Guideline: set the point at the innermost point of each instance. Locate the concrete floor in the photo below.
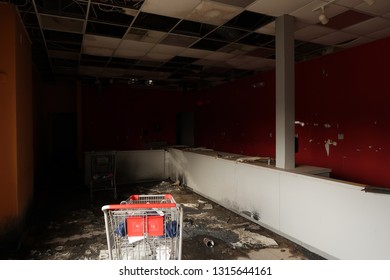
(66, 225)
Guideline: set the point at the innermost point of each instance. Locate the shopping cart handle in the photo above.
(138, 206)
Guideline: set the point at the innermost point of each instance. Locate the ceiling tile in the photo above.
(166, 49)
(143, 35)
(179, 40)
(356, 42)
(369, 26)
(237, 49)
(172, 8)
(227, 34)
(267, 29)
(260, 64)
(262, 52)
(127, 53)
(100, 41)
(195, 53)
(241, 3)
(158, 56)
(133, 49)
(211, 45)
(346, 19)
(98, 51)
(205, 62)
(241, 61)
(220, 56)
(349, 3)
(379, 8)
(61, 24)
(213, 13)
(302, 48)
(380, 34)
(152, 64)
(249, 20)
(335, 38)
(277, 7)
(155, 22)
(311, 32)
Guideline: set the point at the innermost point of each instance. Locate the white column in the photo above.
(285, 93)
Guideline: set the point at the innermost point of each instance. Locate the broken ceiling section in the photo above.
(180, 43)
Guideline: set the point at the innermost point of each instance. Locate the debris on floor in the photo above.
(77, 230)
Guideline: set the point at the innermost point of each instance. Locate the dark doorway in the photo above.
(185, 129)
(62, 148)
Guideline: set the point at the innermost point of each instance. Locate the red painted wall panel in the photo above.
(126, 118)
(343, 98)
(345, 94)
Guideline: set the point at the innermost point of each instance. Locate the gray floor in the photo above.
(66, 225)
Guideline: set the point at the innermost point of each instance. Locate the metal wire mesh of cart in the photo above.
(103, 171)
(144, 227)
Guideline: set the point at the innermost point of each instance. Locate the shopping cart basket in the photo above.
(144, 227)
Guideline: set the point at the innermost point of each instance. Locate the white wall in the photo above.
(134, 166)
(334, 219)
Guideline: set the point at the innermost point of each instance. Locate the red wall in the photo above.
(347, 93)
(238, 117)
(125, 118)
(343, 93)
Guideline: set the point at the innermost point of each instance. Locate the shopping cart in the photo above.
(144, 227)
(103, 172)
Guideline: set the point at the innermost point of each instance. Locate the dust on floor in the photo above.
(71, 227)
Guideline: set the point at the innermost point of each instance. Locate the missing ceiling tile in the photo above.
(155, 22)
(347, 19)
(249, 20)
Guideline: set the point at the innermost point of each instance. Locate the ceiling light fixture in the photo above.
(132, 81)
(149, 82)
(322, 17)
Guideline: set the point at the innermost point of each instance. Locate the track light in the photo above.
(132, 81)
(322, 17)
(149, 82)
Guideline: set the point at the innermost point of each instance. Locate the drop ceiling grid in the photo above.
(152, 34)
